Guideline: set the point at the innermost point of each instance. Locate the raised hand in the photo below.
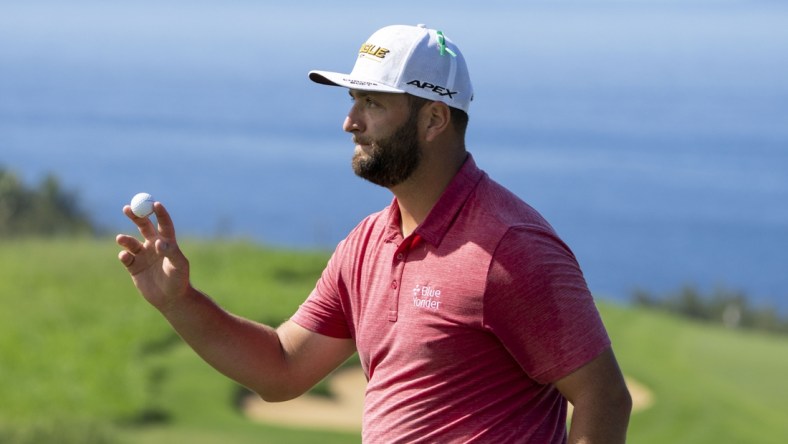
(157, 266)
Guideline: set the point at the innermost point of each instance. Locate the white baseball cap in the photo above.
(408, 59)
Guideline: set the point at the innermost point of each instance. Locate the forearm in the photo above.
(247, 352)
(277, 364)
(601, 420)
(601, 401)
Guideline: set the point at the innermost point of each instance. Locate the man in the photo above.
(471, 317)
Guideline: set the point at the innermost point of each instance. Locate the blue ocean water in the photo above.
(653, 135)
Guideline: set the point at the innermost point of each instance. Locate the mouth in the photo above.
(361, 141)
(363, 145)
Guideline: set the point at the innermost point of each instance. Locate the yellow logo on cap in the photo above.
(373, 50)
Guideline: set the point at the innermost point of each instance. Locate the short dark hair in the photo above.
(458, 117)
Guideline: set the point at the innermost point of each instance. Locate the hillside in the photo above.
(85, 359)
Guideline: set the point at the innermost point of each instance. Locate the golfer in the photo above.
(471, 317)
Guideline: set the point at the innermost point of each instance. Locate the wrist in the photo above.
(179, 303)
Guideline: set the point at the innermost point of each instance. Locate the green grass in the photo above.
(711, 385)
(84, 359)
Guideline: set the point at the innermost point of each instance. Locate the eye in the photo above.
(365, 100)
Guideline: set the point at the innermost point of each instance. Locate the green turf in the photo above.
(710, 385)
(84, 359)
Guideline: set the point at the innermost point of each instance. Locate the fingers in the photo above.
(144, 224)
(171, 251)
(126, 258)
(131, 246)
(160, 239)
(166, 226)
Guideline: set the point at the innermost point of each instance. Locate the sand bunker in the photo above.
(343, 410)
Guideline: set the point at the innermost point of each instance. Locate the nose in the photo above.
(353, 122)
(348, 125)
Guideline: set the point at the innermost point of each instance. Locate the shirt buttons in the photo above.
(394, 285)
(400, 256)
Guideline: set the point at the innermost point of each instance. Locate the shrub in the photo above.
(728, 307)
(47, 210)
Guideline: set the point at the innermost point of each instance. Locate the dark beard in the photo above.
(391, 160)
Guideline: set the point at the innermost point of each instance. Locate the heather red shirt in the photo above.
(462, 326)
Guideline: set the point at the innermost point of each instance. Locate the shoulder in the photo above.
(492, 216)
(507, 207)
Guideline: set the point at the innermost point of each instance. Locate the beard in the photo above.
(392, 160)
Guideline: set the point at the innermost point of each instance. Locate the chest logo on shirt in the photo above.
(426, 297)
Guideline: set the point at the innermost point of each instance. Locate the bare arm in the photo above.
(601, 401)
(278, 364)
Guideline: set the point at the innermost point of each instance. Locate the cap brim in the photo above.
(348, 81)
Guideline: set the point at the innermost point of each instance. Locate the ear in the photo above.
(438, 119)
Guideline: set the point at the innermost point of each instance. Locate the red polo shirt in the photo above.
(462, 326)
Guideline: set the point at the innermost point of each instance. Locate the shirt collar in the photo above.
(438, 221)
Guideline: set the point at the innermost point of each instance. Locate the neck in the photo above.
(418, 195)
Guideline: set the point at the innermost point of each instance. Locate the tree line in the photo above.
(730, 308)
(43, 210)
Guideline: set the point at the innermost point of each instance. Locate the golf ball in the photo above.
(142, 204)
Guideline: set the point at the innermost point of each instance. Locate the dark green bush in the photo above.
(47, 210)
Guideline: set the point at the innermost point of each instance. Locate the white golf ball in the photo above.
(142, 204)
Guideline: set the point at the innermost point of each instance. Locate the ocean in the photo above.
(653, 135)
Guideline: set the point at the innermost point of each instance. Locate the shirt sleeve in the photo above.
(322, 312)
(538, 304)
